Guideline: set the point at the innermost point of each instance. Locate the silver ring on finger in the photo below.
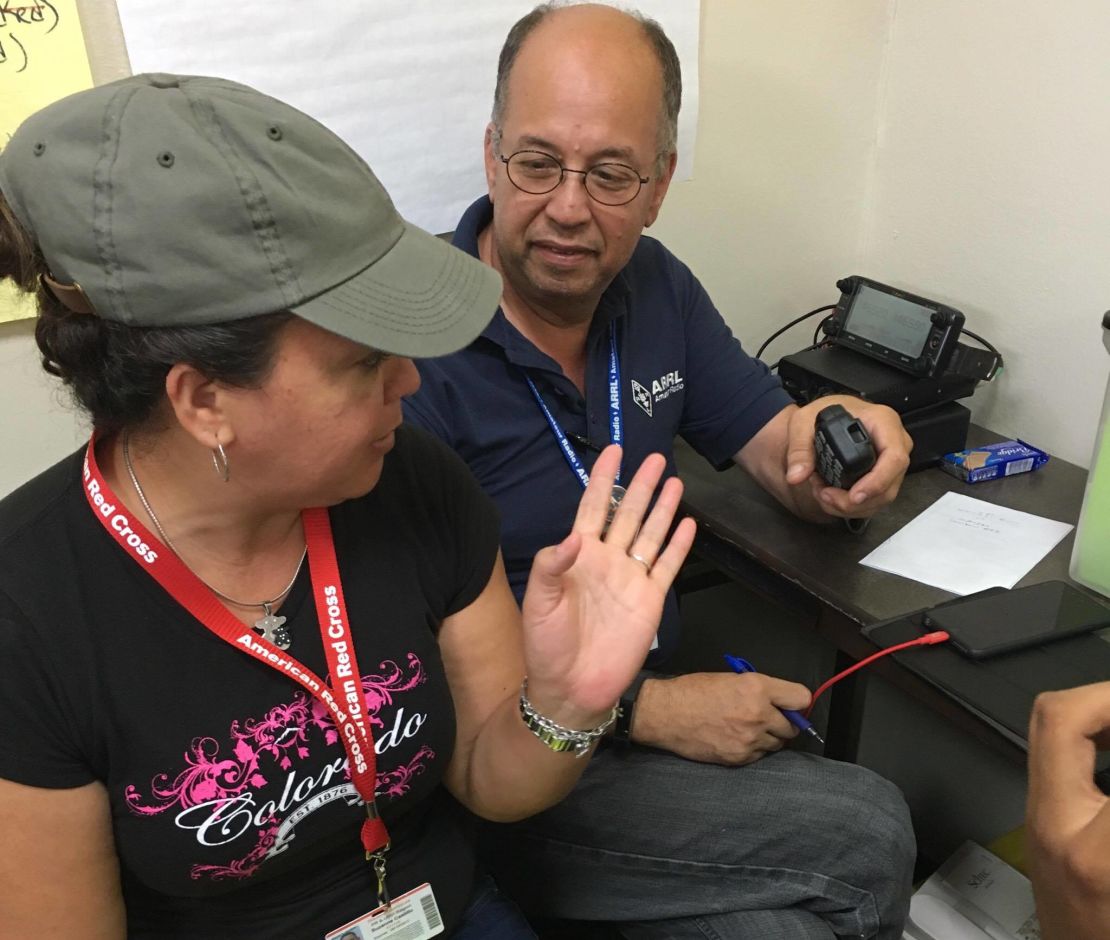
(642, 561)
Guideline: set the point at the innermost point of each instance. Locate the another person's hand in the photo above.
(717, 717)
(592, 609)
(872, 491)
(1068, 817)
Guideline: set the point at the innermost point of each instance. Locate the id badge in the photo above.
(412, 916)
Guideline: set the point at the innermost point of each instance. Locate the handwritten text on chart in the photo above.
(42, 59)
(41, 17)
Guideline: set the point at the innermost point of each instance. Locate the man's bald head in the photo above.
(605, 21)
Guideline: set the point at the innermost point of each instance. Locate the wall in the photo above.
(773, 216)
(948, 147)
(955, 149)
(38, 427)
(990, 192)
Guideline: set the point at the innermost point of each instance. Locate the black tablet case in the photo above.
(1000, 689)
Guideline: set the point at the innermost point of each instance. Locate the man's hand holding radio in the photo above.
(875, 489)
(782, 458)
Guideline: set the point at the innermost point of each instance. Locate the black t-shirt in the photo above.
(232, 808)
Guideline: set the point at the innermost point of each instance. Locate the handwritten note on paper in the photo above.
(42, 59)
(965, 545)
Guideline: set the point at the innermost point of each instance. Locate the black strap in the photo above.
(626, 707)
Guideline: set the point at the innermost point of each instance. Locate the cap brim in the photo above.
(422, 298)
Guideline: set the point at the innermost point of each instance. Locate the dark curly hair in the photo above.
(115, 372)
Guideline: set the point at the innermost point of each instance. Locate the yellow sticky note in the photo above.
(42, 59)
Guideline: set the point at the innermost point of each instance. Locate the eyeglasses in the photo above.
(536, 172)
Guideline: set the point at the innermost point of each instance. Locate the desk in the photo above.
(815, 570)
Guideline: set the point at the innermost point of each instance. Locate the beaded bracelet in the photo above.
(555, 736)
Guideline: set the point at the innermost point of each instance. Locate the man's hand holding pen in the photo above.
(718, 717)
(796, 718)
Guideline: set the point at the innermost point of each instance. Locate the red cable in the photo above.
(929, 639)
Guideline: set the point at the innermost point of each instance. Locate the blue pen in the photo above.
(797, 719)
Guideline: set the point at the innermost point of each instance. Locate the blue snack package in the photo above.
(990, 461)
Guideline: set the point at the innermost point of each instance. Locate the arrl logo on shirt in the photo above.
(661, 389)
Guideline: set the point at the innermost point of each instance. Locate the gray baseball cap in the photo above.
(171, 200)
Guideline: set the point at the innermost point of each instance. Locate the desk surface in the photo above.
(823, 561)
(815, 569)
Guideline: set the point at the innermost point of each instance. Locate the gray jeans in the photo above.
(791, 847)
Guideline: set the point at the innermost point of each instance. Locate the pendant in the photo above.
(615, 498)
(272, 628)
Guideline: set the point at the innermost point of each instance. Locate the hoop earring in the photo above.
(220, 462)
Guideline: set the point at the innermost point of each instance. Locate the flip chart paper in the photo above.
(42, 59)
(407, 83)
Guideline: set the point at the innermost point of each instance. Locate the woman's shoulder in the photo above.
(421, 460)
(423, 483)
(415, 442)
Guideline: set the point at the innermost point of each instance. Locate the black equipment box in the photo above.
(829, 370)
(937, 423)
(936, 431)
(1000, 691)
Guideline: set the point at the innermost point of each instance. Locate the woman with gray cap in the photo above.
(256, 638)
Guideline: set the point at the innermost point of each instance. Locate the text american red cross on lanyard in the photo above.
(348, 710)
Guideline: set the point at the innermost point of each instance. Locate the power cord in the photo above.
(815, 343)
(794, 322)
(817, 332)
(929, 639)
(975, 336)
(977, 367)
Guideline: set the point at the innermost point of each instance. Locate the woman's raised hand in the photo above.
(593, 602)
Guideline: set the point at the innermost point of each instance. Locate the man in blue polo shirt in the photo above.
(603, 335)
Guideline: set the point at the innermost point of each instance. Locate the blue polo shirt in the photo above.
(682, 372)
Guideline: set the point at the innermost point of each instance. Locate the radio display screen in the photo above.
(889, 321)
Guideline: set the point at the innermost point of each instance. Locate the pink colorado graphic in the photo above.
(216, 794)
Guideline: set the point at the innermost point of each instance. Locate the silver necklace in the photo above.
(270, 625)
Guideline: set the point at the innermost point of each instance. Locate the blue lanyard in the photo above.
(616, 427)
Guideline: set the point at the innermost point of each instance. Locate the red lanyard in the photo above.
(343, 699)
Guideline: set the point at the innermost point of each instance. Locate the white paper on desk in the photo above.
(964, 545)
